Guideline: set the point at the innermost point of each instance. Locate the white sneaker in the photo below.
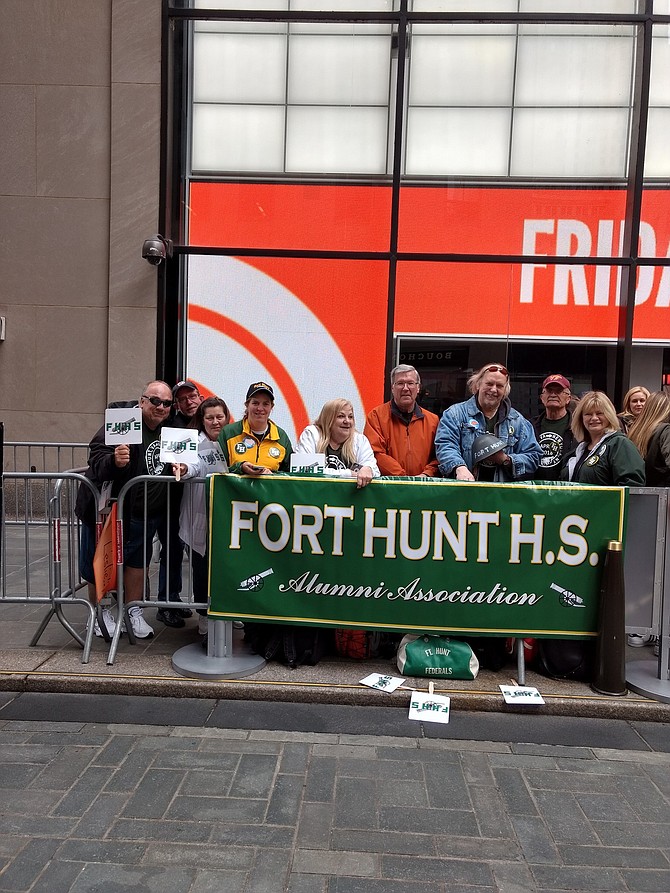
(110, 622)
(141, 628)
(202, 625)
(636, 641)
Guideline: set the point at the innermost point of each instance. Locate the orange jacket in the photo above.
(402, 449)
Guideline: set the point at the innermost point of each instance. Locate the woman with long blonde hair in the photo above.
(633, 404)
(651, 435)
(346, 449)
(604, 456)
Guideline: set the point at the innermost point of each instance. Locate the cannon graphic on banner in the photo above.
(568, 599)
(256, 581)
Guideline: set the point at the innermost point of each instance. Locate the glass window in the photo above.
(458, 141)
(562, 70)
(237, 138)
(569, 143)
(461, 70)
(336, 70)
(336, 139)
(241, 68)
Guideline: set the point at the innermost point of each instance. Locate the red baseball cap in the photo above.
(556, 379)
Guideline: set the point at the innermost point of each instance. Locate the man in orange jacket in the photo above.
(402, 434)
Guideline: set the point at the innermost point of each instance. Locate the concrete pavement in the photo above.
(196, 796)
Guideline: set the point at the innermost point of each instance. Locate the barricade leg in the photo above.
(219, 662)
(520, 662)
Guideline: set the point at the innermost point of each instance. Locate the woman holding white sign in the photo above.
(334, 434)
(210, 419)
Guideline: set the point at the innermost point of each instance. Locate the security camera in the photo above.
(156, 249)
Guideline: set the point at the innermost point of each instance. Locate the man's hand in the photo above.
(499, 458)
(121, 455)
(463, 473)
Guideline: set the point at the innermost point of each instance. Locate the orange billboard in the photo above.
(317, 326)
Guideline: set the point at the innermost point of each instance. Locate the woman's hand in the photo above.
(179, 469)
(363, 476)
(254, 470)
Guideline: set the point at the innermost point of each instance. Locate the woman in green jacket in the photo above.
(604, 456)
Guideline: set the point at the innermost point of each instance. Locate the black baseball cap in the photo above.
(259, 387)
(183, 384)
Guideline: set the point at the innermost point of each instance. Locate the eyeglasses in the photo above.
(190, 397)
(497, 368)
(156, 401)
(405, 384)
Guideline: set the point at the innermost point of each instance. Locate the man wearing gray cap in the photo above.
(552, 427)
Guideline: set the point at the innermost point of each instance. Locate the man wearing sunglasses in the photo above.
(118, 464)
(487, 411)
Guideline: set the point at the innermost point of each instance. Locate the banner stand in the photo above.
(218, 662)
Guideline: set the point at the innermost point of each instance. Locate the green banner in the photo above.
(415, 556)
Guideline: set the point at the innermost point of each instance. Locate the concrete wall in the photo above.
(79, 179)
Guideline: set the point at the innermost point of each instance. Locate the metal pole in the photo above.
(610, 675)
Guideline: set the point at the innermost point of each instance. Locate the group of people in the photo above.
(483, 438)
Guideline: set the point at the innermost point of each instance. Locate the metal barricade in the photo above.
(647, 575)
(36, 458)
(40, 560)
(176, 561)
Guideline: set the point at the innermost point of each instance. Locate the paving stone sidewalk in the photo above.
(106, 807)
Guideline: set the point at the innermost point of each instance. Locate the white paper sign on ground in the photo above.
(521, 694)
(123, 426)
(381, 682)
(308, 463)
(179, 445)
(428, 707)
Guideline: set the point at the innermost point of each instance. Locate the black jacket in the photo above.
(102, 468)
(657, 463)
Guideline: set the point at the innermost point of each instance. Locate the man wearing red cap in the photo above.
(552, 427)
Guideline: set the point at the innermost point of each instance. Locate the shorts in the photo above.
(138, 544)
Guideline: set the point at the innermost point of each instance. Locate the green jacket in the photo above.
(241, 445)
(615, 462)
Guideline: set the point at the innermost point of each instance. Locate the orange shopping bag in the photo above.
(105, 557)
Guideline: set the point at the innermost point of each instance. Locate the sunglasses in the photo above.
(156, 401)
(497, 368)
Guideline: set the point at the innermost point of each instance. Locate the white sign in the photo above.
(123, 426)
(381, 682)
(308, 463)
(428, 707)
(521, 694)
(179, 445)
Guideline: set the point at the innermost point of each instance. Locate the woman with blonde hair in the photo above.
(633, 404)
(604, 456)
(651, 435)
(334, 434)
